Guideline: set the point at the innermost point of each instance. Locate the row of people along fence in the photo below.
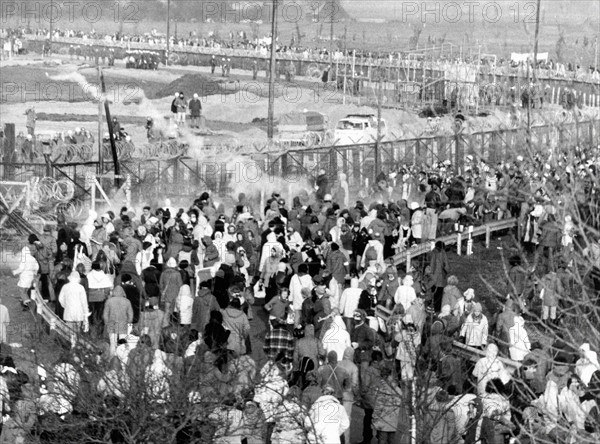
(404, 82)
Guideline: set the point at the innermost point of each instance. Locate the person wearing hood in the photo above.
(170, 283)
(362, 337)
(307, 351)
(475, 328)
(438, 261)
(387, 406)
(519, 345)
(409, 339)
(327, 419)
(236, 321)
(351, 390)
(331, 374)
(504, 322)
(464, 305)
(451, 293)
(440, 419)
(336, 338)
(488, 368)
(479, 429)
(341, 193)
(73, 299)
(336, 263)
(373, 252)
(301, 286)
(389, 287)
(88, 228)
(587, 364)
(405, 294)
(27, 272)
(100, 286)
(184, 305)
(267, 250)
(349, 302)
(97, 237)
(204, 303)
(117, 316)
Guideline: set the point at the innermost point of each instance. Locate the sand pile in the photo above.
(190, 84)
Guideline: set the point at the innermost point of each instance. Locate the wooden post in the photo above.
(93, 193)
(488, 235)
(470, 242)
(458, 244)
(553, 92)
(408, 261)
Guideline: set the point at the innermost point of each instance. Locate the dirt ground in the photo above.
(69, 87)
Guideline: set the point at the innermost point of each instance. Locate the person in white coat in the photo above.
(327, 419)
(519, 340)
(73, 299)
(405, 294)
(336, 338)
(587, 364)
(27, 272)
(475, 328)
(301, 285)
(349, 302)
(183, 305)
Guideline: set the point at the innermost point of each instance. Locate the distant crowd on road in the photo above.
(240, 41)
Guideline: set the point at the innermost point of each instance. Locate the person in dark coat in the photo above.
(151, 278)
(438, 262)
(204, 304)
(215, 335)
(133, 295)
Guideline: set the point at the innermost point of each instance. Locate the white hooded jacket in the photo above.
(336, 338)
(349, 299)
(326, 421)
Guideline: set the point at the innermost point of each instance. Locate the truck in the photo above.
(303, 129)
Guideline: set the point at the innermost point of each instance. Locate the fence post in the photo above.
(488, 235)
(408, 261)
(459, 244)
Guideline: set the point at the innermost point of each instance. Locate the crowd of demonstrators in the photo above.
(172, 289)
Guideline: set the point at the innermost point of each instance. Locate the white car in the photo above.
(358, 128)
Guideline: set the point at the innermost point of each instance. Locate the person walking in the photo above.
(195, 107)
(73, 299)
(181, 105)
(117, 316)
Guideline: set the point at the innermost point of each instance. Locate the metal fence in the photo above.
(358, 162)
(186, 177)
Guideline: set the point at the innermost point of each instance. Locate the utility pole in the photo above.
(100, 138)
(113, 144)
(272, 73)
(536, 42)
(168, 32)
(379, 99)
(331, 38)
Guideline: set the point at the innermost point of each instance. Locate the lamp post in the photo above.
(272, 73)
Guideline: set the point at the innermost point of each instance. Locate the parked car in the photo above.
(358, 128)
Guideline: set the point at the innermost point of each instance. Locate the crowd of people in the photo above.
(340, 327)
